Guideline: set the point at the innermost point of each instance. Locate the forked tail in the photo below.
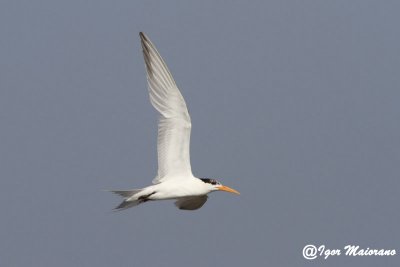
(129, 198)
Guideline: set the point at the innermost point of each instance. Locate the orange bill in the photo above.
(228, 189)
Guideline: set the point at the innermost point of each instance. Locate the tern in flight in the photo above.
(174, 179)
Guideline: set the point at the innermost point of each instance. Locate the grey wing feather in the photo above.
(191, 203)
(174, 121)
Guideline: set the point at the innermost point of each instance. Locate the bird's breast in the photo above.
(178, 189)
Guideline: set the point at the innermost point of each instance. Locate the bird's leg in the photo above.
(145, 197)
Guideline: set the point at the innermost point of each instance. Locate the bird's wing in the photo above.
(174, 121)
(191, 203)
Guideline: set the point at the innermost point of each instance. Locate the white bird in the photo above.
(174, 179)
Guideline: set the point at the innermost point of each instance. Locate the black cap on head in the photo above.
(210, 181)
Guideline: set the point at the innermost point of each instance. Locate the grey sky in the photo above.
(293, 103)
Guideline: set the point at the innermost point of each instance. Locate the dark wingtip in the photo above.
(142, 35)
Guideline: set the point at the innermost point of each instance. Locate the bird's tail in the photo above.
(129, 199)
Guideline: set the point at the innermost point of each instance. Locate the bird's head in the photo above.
(214, 185)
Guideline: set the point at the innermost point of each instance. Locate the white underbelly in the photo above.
(175, 189)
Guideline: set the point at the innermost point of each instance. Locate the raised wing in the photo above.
(174, 121)
(191, 203)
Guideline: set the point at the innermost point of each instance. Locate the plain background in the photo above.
(293, 103)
